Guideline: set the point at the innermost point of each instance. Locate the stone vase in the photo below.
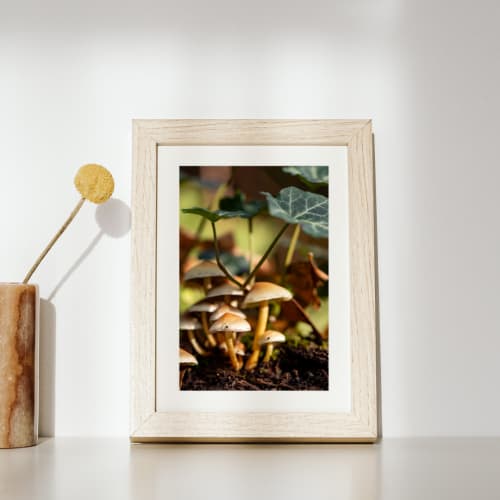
(19, 307)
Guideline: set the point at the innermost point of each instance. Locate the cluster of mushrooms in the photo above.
(217, 321)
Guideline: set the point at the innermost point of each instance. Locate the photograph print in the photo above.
(253, 278)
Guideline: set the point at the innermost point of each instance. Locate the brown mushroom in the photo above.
(203, 273)
(223, 309)
(203, 307)
(270, 339)
(229, 324)
(226, 290)
(189, 324)
(186, 360)
(261, 294)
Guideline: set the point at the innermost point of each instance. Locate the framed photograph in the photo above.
(253, 281)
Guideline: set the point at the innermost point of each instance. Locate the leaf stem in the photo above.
(266, 254)
(291, 248)
(212, 206)
(217, 258)
(250, 243)
(199, 230)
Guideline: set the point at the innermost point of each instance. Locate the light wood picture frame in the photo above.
(147, 424)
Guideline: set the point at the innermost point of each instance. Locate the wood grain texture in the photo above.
(143, 286)
(360, 424)
(362, 277)
(249, 132)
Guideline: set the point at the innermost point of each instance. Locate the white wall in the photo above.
(74, 74)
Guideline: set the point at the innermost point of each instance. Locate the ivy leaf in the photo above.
(215, 215)
(237, 203)
(310, 175)
(295, 206)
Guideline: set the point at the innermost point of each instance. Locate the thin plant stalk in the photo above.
(54, 239)
(293, 244)
(250, 242)
(265, 256)
(199, 230)
(217, 258)
(212, 206)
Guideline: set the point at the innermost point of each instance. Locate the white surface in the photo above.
(74, 74)
(169, 397)
(108, 469)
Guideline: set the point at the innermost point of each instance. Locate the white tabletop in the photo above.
(94, 469)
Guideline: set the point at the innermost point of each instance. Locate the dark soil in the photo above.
(294, 369)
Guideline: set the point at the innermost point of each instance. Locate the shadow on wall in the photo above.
(47, 369)
(113, 219)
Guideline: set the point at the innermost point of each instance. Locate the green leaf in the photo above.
(214, 215)
(310, 175)
(295, 206)
(237, 203)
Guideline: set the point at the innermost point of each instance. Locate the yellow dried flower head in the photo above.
(95, 183)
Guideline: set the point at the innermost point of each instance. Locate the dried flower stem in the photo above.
(54, 239)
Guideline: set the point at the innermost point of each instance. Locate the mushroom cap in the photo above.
(95, 183)
(205, 269)
(225, 289)
(272, 337)
(186, 359)
(223, 309)
(189, 323)
(230, 323)
(264, 291)
(203, 306)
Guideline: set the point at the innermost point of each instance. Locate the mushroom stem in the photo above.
(269, 352)
(182, 371)
(253, 360)
(230, 350)
(210, 337)
(240, 362)
(207, 284)
(197, 347)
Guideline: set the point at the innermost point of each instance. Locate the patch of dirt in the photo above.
(294, 369)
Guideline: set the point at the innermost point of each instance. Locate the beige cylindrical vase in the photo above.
(19, 306)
